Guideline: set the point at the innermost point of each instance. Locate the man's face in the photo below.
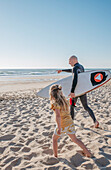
(71, 61)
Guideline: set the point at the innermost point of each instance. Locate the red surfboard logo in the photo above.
(98, 77)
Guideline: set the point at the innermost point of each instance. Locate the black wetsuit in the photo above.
(78, 68)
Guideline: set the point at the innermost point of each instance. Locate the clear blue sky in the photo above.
(45, 33)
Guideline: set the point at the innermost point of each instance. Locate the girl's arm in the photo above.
(58, 119)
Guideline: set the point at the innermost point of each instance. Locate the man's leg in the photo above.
(83, 99)
(74, 100)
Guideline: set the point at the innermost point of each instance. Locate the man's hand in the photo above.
(72, 95)
(59, 71)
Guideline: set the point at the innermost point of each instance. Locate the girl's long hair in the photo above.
(57, 96)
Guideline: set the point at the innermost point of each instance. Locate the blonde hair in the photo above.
(57, 96)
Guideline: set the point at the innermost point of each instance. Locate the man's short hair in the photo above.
(73, 56)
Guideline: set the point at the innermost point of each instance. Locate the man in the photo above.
(78, 68)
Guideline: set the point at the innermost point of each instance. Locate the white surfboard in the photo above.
(87, 81)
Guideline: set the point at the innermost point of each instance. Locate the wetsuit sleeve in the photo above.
(67, 70)
(75, 79)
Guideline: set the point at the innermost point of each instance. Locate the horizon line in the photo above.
(52, 68)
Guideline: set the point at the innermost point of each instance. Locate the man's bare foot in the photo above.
(96, 124)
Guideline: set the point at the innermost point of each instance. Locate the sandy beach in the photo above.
(27, 124)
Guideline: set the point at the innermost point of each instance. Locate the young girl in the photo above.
(63, 119)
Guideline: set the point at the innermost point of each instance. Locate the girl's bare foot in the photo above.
(82, 153)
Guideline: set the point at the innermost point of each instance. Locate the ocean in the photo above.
(10, 75)
(22, 74)
(26, 72)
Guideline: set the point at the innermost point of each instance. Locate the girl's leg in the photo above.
(80, 144)
(55, 146)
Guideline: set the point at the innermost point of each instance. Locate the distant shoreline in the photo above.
(27, 83)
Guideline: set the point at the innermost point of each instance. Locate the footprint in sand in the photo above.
(17, 125)
(49, 117)
(41, 141)
(49, 134)
(9, 159)
(26, 149)
(30, 156)
(37, 116)
(2, 149)
(35, 130)
(47, 127)
(77, 160)
(25, 129)
(15, 118)
(6, 137)
(24, 135)
(87, 166)
(15, 149)
(70, 147)
(13, 163)
(12, 143)
(42, 124)
(102, 161)
(19, 145)
(48, 151)
(14, 130)
(30, 140)
(106, 155)
(50, 161)
(105, 149)
(45, 146)
(21, 140)
(28, 167)
(31, 134)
